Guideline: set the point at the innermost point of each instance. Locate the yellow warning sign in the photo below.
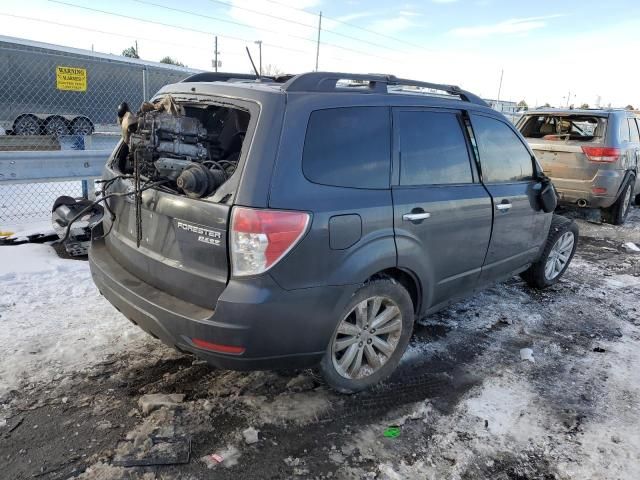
(71, 78)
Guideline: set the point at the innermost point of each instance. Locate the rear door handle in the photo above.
(503, 206)
(412, 217)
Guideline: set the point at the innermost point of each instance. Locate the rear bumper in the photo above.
(572, 191)
(277, 328)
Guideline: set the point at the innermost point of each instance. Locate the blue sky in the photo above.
(547, 49)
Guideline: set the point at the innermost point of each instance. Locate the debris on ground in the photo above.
(527, 354)
(250, 435)
(631, 247)
(153, 401)
(226, 458)
(153, 451)
(391, 432)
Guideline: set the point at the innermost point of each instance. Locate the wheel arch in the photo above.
(408, 280)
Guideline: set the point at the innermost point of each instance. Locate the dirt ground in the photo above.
(466, 403)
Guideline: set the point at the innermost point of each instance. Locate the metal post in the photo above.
(215, 53)
(144, 84)
(500, 87)
(318, 42)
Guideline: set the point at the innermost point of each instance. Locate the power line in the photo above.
(116, 34)
(246, 25)
(379, 45)
(347, 23)
(154, 22)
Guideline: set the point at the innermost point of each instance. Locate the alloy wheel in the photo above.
(367, 337)
(559, 255)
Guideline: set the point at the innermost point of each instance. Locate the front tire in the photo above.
(557, 254)
(370, 338)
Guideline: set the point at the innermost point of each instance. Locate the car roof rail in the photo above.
(234, 77)
(371, 83)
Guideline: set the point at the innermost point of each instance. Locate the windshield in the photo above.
(586, 128)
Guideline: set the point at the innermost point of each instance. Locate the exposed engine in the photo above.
(169, 142)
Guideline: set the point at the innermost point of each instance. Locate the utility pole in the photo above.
(259, 43)
(215, 53)
(568, 98)
(137, 53)
(500, 87)
(318, 42)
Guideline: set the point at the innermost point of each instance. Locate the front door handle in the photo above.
(413, 217)
(503, 207)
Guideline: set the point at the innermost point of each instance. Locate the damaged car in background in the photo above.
(592, 156)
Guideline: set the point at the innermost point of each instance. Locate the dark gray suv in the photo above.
(310, 220)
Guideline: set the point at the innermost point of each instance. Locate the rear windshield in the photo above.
(585, 128)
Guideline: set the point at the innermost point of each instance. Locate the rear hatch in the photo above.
(174, 237)
(562, 142)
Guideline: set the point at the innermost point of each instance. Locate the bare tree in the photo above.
(584, 105)
(522, 105)
(629, 107)
(271, 70)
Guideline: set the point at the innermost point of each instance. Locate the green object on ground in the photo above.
(392, 432)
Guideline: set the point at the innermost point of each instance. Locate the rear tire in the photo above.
(556, 256)
(617, 213)
(370, 338)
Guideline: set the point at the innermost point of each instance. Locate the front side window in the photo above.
(433, 150)
(503, 156)
(348, 147)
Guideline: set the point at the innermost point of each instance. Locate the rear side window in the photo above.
(348, 147)
(586, 128)
(433, 150)
(503, 156)
(633, 130)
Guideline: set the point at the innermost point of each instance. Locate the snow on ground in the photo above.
(52, 318)
(72, 371)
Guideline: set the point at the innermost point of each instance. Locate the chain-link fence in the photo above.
(24, 202)
(58, 98)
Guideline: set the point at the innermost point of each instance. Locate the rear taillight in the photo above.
(602, 154)
(260, 238)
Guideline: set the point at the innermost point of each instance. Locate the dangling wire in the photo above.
(88, 208)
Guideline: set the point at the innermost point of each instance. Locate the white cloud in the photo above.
(513, 25)
(391, 26)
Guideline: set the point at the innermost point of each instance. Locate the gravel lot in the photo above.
(75, 378)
